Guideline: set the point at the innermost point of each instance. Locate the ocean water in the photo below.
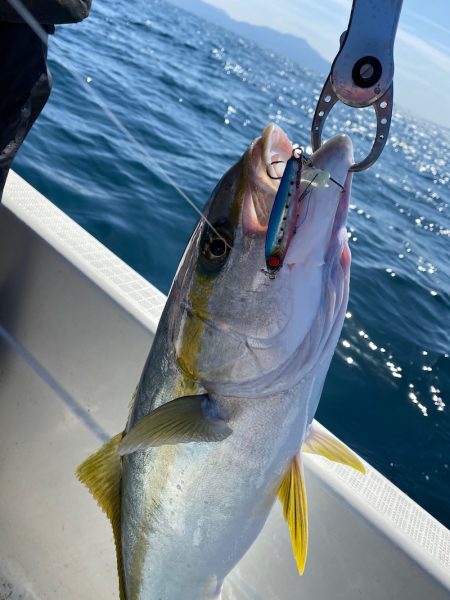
(194, 96)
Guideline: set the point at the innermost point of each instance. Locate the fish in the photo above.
(225, 404)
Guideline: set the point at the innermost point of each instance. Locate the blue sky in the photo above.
(422, 47)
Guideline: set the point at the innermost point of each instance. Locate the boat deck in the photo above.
(76, 324)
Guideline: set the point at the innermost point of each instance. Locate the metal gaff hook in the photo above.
(362, 72)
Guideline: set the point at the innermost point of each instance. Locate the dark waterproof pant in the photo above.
(25, 84)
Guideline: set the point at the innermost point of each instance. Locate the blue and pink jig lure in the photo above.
(297, 178)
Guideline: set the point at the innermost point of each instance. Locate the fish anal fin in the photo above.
(292, 494)
(101, 473)
(321, 442)
(183, 420)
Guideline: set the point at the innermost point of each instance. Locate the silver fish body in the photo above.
(254, 351)
(190, 511)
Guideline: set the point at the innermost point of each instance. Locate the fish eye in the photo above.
(215, 248)
(216, 244)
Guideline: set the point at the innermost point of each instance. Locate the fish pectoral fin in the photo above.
(183, 420)
(101, 473)
(292, 494)
(320, 441)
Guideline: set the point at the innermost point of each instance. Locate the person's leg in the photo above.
(25, 85)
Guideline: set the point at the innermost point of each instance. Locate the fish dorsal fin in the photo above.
(320, 441)
(185, 419)
(101, 473)
(292, 494)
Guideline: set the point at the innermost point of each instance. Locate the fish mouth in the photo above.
(323, 212)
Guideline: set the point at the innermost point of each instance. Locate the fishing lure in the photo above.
(295, 183)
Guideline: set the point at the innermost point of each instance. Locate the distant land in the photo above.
(285, 44)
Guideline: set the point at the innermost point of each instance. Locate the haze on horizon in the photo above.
(422, 47)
